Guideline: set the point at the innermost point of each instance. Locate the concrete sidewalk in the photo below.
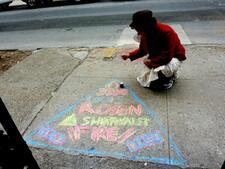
(67, 104)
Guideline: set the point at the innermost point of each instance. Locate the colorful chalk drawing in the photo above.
(112, 121)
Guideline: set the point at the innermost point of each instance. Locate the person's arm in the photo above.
(135, 54)
(138, 53)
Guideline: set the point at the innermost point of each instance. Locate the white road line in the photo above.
(126, 37)
(182, 34)
(17, 3)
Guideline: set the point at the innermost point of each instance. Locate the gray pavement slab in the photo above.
(196, 121)
(197, 113)
(185, 126)
(109, 68)
(80, 53)
(88, 118)
(207, 62)
(60, 120)
(192, 113)
(50, 160)
(28, 86)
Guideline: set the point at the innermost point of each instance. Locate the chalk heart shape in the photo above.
(111, 121)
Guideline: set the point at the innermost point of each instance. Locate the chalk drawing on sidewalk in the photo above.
(145, 140)
(112, 121)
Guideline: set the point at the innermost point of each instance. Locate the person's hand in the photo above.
(125, 56)
(147, 62)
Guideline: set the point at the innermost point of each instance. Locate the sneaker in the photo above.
(168, 85)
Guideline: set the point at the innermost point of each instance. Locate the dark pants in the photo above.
(159, 84)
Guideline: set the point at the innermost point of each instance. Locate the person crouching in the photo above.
(163, 47)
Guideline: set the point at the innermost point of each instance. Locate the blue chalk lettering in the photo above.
(131, 146)
(51, 135)
(143, 141)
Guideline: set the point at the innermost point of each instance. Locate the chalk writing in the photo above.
(111, 121)
(137, 110)
(113, 84)
(143, 141)
(69, 121)
(110, 109)
(126, 135)
(86, 107)
(112, 92)
(115, 121)
(75, 132)
(108, 134)
(51, 135)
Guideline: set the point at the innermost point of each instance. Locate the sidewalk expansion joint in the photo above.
(76, 66)
(168, 127)
(47, 101)
(51, 96)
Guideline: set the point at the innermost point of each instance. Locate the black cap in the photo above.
(141, 18)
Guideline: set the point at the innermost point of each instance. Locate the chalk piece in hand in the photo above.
(121, 85)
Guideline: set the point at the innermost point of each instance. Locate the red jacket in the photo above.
(161, 47)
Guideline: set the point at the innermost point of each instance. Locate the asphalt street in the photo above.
(101, 24)
(100, 14)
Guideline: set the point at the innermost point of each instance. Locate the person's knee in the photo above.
(167, 73)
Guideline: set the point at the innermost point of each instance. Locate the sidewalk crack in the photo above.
(76, 66)
(55, 90)
(168, 127)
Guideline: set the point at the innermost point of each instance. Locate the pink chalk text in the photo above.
(110, 134)
(109, 109)
(112, 92)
